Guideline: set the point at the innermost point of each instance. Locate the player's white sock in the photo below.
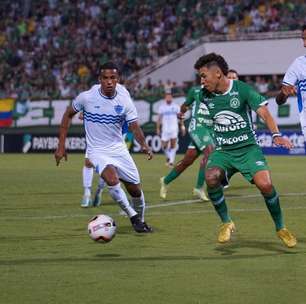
(87, 180)
(118, 195)
(101, 184)
(167, 151)
(172, 154)
(139, 205)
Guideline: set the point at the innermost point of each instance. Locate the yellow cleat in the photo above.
(287, 237)
(199, 192)
(225, 232)
(163, 188)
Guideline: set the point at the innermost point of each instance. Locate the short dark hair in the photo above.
(109, 65)
(304, 27)
(210, 60)
(232, 71)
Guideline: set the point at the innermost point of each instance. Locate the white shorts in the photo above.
(166, 136)
(124, 163)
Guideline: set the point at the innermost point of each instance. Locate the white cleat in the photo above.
(199, 193)
(163, 188)
(86, 201)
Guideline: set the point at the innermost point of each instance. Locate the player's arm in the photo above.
(65, 124)
(266, 116)
(288, 86)
(285, 92)
(139, 136)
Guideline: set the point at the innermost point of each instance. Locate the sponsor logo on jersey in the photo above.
(235, 103)
(232, 140)
(227, 121)
(118, 109)
(259, 163)
(234, 93)
(211, 105)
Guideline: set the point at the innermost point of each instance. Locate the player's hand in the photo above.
(288, 90)
(59, 154)
(282, 142)
(148, 151)
(181, 115)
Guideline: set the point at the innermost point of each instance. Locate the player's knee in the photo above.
(265, 187)
(88, 163)
(213, 177)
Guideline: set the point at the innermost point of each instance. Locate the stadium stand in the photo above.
(52, 49)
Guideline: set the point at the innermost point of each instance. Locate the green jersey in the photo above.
(231, 115)
(200, 117)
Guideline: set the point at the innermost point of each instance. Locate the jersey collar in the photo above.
(106, 97)
(228, 90)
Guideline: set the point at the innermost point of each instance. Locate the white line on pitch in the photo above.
(186, 202)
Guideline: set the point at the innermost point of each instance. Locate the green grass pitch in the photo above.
(46, 255)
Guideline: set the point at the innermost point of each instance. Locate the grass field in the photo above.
(46, 255)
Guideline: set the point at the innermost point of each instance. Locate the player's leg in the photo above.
(263, 182)
(98, 195)
(199, 189)
(87, 174)
(128, 174)
(189, 157)
(165, 147)
(253, 166)
(138, 202)
(172, 151)
(218, 164)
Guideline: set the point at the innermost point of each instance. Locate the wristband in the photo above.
(276, 134)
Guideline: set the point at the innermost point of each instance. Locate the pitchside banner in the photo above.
(49, 113)
(33, 143)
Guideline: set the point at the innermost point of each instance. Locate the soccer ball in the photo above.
(102, 228)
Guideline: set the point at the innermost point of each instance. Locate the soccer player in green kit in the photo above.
(200, 131)
(229, 103)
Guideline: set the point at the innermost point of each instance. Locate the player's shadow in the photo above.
(231, 249)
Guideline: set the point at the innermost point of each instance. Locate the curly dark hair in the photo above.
(210, 60)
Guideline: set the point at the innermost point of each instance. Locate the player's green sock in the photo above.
(201, 178)
(272, 202)
(218, 200)
(172, 175)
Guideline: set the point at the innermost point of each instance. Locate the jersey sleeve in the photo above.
(190, 97)
(131, 112)
(291, 76)
(253, 98)
(78, 103)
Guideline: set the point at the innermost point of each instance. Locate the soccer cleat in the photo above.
(225, 232)
(163, 188)
(199, 192)
(139, 226)
(98, 198)
(287, 237)
(86, 201)
(142, 227)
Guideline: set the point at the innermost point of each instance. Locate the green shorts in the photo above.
(200, 139)
(247, 160)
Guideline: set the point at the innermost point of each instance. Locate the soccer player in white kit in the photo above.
(105, 108)
(294, 83)
(167, 127)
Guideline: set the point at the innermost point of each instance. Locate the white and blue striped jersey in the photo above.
(104, 117)
(296, 76)
(168, 113)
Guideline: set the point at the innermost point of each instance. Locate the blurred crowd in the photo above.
(267, 85)
(52, 49)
